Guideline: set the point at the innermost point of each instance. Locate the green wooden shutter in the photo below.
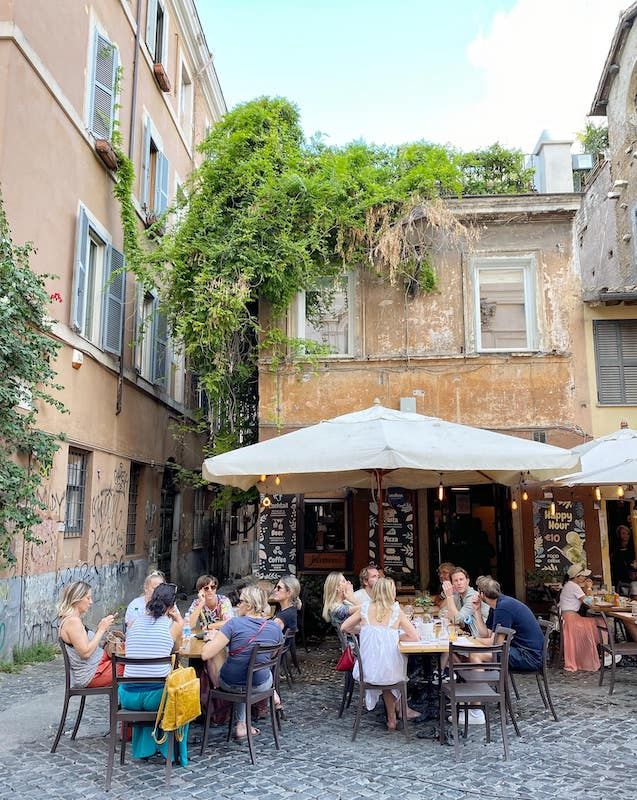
(102, 108)
(151, 26)
(79, 276)
(146, 166)
(616, 361)
(161, 185)
(160, 339)
(114, 299)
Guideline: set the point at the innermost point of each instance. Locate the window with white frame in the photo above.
(325, 314)
(102, 94)
(504, 304)
(155, 170)
(157, 31)
(152, 336)
(616, 361)
(99, 283)
(185, 102)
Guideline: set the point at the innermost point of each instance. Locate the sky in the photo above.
(464, 72)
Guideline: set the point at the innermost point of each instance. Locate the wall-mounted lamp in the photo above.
(598, 494)
(77, 359)
(620, 491)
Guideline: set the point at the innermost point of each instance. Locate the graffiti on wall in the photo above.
(107, 541)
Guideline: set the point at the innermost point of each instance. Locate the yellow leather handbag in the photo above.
(179, 703)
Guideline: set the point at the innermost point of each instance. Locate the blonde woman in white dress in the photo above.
(382, 625)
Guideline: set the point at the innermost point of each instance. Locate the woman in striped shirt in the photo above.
(155, 633)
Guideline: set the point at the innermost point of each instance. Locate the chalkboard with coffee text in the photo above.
(277, 537)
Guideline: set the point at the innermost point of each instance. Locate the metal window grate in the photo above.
(539, 436)
(75, 494)
(199, 513)
(131, 522)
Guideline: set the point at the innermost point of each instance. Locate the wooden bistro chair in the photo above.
(125, 716)
(69, 693)
(262, 657)
(466, 689)
(608, 645)
(541, 674)
(401, 686)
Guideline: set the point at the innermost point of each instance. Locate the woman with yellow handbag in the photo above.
(156, 633)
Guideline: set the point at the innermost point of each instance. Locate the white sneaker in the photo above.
(476, 717)
(608, 659)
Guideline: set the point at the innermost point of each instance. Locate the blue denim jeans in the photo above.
(240, 708)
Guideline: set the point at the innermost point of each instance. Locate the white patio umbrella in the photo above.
(365, 448)
(610, 459)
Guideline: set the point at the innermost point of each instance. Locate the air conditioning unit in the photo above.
(582, 161)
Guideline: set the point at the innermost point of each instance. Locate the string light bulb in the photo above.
(277, 480)
(620, 491)
(552, 509)
(598, 494)
(514, 505)
(266, 502)
(262, 478)
(441, 492)
(525, 495)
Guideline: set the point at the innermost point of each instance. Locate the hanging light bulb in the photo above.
(266, 502)
(441, 492)
(514, 505)
(277, 480)
(598, 494)
(552, 509)
(262, 478)
(525, 495)
(620, 491)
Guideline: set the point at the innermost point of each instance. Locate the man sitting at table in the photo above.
(525, 652)
(367, 577)
(458, 600)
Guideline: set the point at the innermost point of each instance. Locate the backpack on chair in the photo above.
(179, 703)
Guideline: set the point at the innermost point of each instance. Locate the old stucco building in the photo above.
(113, 507)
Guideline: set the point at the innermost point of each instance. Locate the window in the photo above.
(75, 493)
(616, 361)
(157, 31)
(131, 521)
(155, 169)
(102, 99)
(325, 314)
(325, 527)
(185, 103)
(505, 309)
(153, 339)
(99, 284)
(539, 436)
(199, 518)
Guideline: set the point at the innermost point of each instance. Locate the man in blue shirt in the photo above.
(525, 652)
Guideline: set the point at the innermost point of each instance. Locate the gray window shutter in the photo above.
(160, 331)
(146, 165)
(103, 94)
(114, 299)
(151, 26)
(616, 361)
(79, 277)
(161, 184)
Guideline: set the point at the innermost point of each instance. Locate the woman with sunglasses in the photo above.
(209, 610)
(286, 594)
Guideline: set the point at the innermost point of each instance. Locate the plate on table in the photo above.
(604, 604)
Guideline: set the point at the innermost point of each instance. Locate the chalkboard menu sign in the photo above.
(559, 538)
(398, 534)
(277, 537)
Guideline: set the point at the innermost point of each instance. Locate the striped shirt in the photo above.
(149, 638)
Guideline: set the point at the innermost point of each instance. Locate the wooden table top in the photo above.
(194, 651)
(436, 645)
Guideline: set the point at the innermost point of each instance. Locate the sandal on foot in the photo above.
(244, 736)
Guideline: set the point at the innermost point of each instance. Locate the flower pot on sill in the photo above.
(105, 151)
(161, 77)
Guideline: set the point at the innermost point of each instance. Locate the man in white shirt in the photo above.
(367, 577)
(137, 607)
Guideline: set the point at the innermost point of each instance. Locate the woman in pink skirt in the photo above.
(578, 633)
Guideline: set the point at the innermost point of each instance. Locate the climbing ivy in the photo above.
(27, 353)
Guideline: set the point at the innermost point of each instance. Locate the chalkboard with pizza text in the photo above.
(399, 551)
(277, 537)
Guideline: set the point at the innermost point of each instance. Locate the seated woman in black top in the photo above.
(286, 594)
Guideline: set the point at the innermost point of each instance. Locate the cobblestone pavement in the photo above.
(589, 754)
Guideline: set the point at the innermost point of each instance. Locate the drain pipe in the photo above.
(131, 150)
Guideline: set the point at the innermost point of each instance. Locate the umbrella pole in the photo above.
(381, 521)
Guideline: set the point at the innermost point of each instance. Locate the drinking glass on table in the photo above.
(409, 611)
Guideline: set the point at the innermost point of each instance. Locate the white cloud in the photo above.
(541, 62)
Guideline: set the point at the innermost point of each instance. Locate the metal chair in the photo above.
(348, 678)
(300, 619)
(470, 688)
(126, 716)
(262, 657)
(286, 657)
(612, 648)
(542, 672)
(73, 692)
(363, 685)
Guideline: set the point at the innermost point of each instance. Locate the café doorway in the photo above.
(472, 528)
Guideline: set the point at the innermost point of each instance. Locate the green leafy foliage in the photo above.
(495, 170)
(594, 138)
(27, 353)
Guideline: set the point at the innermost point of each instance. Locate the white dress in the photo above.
(383, 662)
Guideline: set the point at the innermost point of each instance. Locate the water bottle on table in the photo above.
(186, 634)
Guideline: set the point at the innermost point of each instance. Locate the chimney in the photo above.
(623, 424)
(553, 164)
